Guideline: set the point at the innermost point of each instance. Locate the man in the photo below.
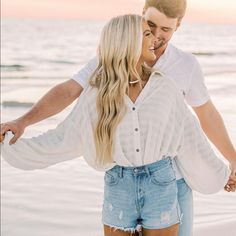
(164, 17)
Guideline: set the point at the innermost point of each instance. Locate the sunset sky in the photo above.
(212, 11)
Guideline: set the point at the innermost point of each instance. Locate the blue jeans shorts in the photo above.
(145, 195)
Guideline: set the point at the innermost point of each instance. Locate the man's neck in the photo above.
(159, 52)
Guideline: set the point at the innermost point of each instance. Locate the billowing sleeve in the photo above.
(202, 169)
(57, 145)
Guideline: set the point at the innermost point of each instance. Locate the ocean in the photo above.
(66, 199)
(40, 53)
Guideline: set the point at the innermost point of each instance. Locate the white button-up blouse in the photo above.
(157, 125)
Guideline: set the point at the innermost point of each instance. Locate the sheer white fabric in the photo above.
(157, 125)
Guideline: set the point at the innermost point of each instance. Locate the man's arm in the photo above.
(198, 98)
(54, 101)
(214, 128)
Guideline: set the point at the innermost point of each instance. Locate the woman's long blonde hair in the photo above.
(119, 51)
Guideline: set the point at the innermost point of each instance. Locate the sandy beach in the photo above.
(66, 199)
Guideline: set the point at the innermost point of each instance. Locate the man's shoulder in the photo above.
(184, 56)
(164, 81)
(174, 93)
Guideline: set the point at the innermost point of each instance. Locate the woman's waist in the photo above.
(147, 168)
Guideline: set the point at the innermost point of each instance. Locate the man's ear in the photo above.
(178, 23)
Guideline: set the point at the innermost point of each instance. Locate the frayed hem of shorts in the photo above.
(162, 226)
(125, 229)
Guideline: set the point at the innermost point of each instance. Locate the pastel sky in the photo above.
(212, 11)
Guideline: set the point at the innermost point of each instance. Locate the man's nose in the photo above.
(154, 40)
(157, 33)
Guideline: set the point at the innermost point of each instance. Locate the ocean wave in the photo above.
(35, 77)
(214, 53)
(61, 62)
(13, 67)
(16, 104)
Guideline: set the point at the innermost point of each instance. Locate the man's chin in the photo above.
(160, 45)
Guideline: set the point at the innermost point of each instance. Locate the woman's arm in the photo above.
(50, 104)
(57, 145)
(54, 101)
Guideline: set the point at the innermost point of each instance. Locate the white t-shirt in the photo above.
(156, 125)
(179, 66)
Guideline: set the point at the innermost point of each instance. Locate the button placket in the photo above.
(137, 141)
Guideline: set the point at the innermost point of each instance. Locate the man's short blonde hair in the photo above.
(171, 8)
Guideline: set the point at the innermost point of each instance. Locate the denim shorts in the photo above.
(145, 195)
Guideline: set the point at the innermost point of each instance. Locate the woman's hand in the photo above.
(17, 127)
(2, 136)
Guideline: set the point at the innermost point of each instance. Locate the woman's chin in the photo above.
(152, 57)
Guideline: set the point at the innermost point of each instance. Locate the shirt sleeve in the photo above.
(199, 165)
(197, 93)
(57, 145)
(82, 77)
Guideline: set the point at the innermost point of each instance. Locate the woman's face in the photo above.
(148, 53)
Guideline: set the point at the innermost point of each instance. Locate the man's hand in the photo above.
(16, 127)
(230, 186)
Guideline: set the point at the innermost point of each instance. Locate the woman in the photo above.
(130, 122)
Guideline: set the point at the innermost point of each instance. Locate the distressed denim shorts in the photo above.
(145, 195)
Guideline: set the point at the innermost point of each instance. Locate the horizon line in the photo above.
(188, 21)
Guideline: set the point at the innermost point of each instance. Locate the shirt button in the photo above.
(135, 170)
(133, 108)
(137, 150)
(136, 129)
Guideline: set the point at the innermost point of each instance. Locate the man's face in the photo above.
(161, 26)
